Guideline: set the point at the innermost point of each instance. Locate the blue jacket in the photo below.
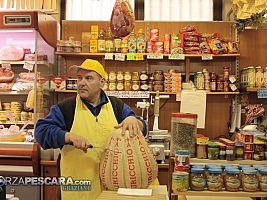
(50, 131)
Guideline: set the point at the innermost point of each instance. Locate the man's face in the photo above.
(89, 84)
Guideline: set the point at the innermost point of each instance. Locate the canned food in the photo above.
(149, 47)
(154, 35)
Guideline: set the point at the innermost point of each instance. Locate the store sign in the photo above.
(207, 57)
(176, 56)
(155, 56)
(262, 93)
(120, 57)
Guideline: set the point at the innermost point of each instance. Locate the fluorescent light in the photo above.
(16, 31)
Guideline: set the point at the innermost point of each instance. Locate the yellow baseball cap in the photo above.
(92, 65)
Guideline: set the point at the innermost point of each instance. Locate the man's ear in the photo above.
(102, 82)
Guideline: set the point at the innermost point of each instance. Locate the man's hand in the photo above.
(77, 141)
(132, 124)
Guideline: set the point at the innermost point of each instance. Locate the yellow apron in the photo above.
(85, 166)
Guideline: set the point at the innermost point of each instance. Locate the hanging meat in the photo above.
(253, 111)
(6, 75)
(122, 20)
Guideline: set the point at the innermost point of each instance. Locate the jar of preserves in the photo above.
(127, 76)
(143, 76)
(127, 85)
(250, 181)
(158, 75)
(259, 148)
(119, 76)
(180, 181)
(112, 77)
(214, 179)
(230, 152)
(263, 179)
(197, 179)
(117, 45)
(143, 86)
(251, 71)
(135, 76)
(120, 86)
(226, 73)
(222, 151)
(232, 179)
(199, 81)
(259, 77)
(112, 86)
(220, 85)
(213, 151)
(213, 81)
(158, 86)
(135, 85)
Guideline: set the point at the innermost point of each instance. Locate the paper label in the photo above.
(155, 56)
(108, 56)
(28, 66)
(207, 57)
(262, 93)
(176, 56)
(139, 56)
(120, 56)
(130, 56)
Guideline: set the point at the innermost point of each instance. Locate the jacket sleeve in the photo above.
(127, 111)
(50, 131)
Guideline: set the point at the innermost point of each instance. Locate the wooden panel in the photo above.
(49, 192)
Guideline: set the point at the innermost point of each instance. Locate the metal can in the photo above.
(154, 35)
(149, 47)
(199, 81)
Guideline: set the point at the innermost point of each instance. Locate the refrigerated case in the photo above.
(36, 34)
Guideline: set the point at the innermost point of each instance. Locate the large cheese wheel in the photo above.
(127, 162)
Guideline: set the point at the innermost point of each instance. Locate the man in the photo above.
(88, 119)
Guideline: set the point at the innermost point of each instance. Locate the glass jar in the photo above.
(197, 179)
(259, 77)
(135, 85)
(250, 181)
(135, 76)
(182, 160)
(112, 86)
(143, 76)
(143, 86)
(120, 86)
(239, 152)
(180, 181)
(213, 81)
(119, 76)
(263, 179)
(226, 73)
(158, 75)
(158, 86)
(220, 85)
(127, 85)
(213, 151)
(259, 150)
(127, 76)
(230, 152)
(232, 179)
(222, 151)
(199, 81)
(201, 151)
(214, 179)
(112, 77)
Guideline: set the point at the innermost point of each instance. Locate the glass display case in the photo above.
(27, 47)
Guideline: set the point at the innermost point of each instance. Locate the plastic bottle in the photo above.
(141, 42)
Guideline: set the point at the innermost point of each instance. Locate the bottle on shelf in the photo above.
(101, 43)
(141, 41)
(109, 42)
(117, 45)
(132, 43)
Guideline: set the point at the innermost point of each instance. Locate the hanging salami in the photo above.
(122, 20)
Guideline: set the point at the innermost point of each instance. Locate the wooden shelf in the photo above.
(222, 93)
(242, 162)
(251, 89)
(222, 193)
(145, 54)
(18, 123)
(14, 92)
(22, 62)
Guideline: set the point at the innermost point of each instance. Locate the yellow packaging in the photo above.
(86, 37)
(94, 32)
(93, 46)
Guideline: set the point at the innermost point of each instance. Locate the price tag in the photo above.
(108, 56)
(6, 65)
(120, 56)
(130, 56)
(139, 56)
(155, 56)
(262, 93)
(176, 56)
(207, 57)
(28, 66)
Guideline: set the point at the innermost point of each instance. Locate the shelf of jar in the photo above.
(22, 62)
(222, 93)
(222, 193)
(242, 162)
(251, 89)
(145, 54)
(8, 92)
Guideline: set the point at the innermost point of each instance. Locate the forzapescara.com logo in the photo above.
(67, 183)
